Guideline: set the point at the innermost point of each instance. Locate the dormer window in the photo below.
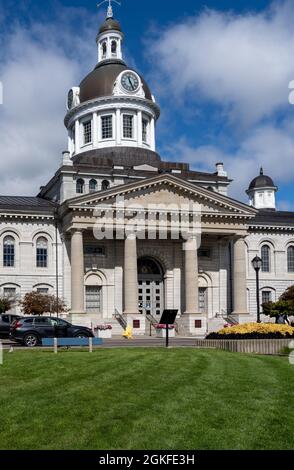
(105, 185)
(80, 185)
(92, 186)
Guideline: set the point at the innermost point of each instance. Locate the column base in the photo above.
(138, 323)
(241, 317)
(193, 324)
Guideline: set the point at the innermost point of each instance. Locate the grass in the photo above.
(145, 399)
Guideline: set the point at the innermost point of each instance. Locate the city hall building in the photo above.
(112, 172)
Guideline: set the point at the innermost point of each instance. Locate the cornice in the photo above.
(107, 99)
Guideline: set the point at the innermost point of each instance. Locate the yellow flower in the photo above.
(259, 328)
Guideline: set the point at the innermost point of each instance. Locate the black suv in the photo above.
(5, 321)
(30, 330)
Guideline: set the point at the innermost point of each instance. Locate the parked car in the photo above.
(30, 330)
(5, 321)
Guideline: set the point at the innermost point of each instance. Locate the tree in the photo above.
(35, 303)
(288, 295)
(5, 304)
(275, 309)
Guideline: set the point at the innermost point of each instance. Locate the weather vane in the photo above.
(109, 9)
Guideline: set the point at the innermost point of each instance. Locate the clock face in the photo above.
(130, 81)
(70, 97)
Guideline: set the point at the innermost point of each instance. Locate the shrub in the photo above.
(5, 305)
(35, 303)
(254, 331)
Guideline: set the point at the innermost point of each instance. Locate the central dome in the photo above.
(100, 82)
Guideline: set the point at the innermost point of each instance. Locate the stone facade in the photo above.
(131, 276)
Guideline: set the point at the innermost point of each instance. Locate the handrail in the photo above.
(121, 320)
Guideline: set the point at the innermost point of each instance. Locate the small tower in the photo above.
(109, 39)
(262, 192)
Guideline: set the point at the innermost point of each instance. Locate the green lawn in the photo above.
(145, 399)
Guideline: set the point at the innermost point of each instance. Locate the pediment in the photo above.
(164, 190)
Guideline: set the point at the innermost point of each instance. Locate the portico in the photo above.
(183, 260)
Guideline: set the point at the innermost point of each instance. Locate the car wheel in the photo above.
(82, 335)
(30, 340)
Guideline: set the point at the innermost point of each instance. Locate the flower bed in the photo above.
(104, 331)
(161, 330)
(254, 331)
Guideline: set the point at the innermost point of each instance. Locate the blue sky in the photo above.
(219, 70)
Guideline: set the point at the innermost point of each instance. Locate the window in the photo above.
(87, 132)
(42, 321)
(9, 292)
(203, 299)
(113, 48)
(9, 252)
(128, 126)
(92, 186)
(93, 298)
(266, 296)
(80, 186)
(43, 290)
(204, 253)
(94, 250)
(106, 127)
(290, 259)
(104, 49)
(265, 256)
(105, 185)
(145, 130)
(42, 252)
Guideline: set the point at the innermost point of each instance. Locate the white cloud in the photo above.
(241, 62)
(39, 65)
(267, 146)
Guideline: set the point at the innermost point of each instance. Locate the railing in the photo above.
(121, 320)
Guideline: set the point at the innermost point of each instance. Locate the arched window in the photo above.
(113, 48)
(265, 256)
(105, 185)
(9, 252)
(290, 259)
(80, 186)
(42, 253)
(92, 186)
(104, 49)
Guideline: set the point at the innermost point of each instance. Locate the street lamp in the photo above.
(257, 263)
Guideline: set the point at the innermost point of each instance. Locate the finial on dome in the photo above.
(109, 9)
(261, 171)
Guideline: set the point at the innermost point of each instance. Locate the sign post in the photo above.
(168, 318)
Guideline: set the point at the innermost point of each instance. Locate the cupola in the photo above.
(262, 192)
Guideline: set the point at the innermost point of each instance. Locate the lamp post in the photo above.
(257, 263)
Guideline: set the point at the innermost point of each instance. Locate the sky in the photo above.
(220, 71)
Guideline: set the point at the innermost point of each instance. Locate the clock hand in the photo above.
(131, 83)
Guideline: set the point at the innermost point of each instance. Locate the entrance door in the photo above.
(93, 299)
(151, 287)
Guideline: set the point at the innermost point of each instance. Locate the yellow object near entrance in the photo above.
(128, 334)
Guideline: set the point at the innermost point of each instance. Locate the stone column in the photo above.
(130, 275)
(77, 272)
(77, 137)
(191, 276)
(239, 277)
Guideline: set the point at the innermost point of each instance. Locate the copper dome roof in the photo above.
(262, 181)
(101, 80)
(110, 24)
